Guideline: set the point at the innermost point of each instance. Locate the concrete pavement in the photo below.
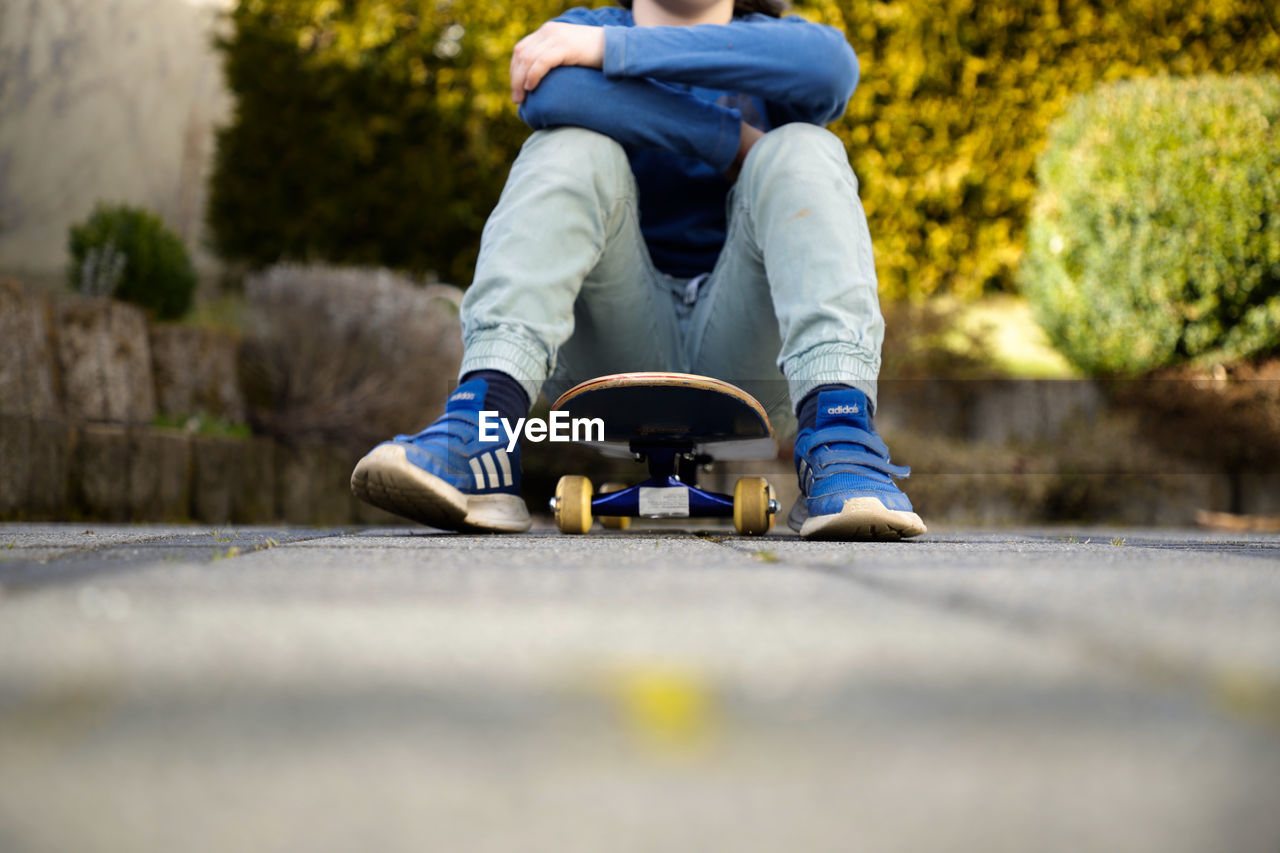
(185, 688)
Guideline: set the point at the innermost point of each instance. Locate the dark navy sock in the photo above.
(807, 411)
(505, 395)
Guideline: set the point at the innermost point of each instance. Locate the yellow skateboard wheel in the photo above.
(752, 499)
(573, 504)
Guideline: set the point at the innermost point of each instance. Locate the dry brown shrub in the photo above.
(1226, 415)
(347, 356)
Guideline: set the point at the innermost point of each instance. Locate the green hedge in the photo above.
(129, 254)
(366, 133)
(1155, 237)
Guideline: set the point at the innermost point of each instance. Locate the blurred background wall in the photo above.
(103, 99)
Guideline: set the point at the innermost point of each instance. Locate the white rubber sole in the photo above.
(864, 520)
(388, 480)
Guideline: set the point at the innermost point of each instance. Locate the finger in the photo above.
(520, 65)
(517, 81)
(517, 71)
(539, 68)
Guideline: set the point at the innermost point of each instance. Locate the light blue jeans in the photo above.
(565, 289)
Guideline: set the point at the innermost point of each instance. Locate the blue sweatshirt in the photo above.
(675, 97)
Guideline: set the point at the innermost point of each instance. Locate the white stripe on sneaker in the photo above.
(476, 472)
(505, 464)
(490, 469)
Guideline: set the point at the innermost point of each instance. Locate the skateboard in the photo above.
(675, 423)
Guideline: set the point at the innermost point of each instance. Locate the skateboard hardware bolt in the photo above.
(553, 503)
(774, 506)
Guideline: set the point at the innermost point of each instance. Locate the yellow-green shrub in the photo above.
(1156, 234)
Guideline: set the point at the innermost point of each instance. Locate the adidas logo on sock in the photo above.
(843, 410)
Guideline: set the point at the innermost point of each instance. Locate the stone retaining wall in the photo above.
(51, 470)
(195, 370)
(81, 382)
(1004, 451)
(28, 382)
(105, 361)
(99, 361)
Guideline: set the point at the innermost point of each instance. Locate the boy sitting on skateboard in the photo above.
(679, 207)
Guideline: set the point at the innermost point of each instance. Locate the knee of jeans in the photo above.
(579, 152)
(798, 149)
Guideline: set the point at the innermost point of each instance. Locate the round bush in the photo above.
(129, 254)
(1155, 236)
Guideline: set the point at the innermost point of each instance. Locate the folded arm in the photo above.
(804, 71)
(636, 112)
(582, 71)
(807, 69)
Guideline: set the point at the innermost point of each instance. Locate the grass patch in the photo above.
(203, 425)
(228, 312)
(1014, 342)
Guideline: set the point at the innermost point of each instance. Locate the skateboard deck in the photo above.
(674, 422)
(703, 416)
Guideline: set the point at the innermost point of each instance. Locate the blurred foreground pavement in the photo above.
(215, 689)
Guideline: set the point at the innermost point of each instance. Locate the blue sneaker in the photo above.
(846, 479)
(446, 476)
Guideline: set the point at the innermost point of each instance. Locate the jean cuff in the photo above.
(510, 350)
(830, 364)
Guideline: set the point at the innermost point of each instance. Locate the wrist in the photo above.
(596, 48)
